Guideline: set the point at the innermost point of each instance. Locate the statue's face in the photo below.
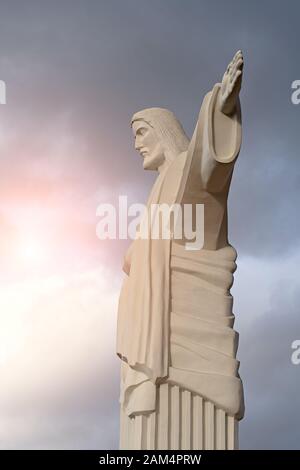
(149, 146)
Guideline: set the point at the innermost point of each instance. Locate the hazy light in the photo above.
(32, 251)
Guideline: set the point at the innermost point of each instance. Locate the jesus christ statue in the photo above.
(180, 386)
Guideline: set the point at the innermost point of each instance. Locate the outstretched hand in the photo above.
(231, 84)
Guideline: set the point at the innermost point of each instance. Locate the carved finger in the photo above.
(238, 54)
(234, 77)
(238, 66)
(240, 63)
(230, 87)
(229, 67)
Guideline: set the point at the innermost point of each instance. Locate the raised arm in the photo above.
(216, 141)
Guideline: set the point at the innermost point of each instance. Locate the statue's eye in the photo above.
(141, 131)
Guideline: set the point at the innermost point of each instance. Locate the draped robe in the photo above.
(175, 320)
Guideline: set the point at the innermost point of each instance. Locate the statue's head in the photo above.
(159, 136)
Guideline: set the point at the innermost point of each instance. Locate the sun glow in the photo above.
(32, 251)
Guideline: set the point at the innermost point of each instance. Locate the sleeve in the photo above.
(222, 136)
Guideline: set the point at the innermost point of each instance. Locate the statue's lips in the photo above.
(144, 153)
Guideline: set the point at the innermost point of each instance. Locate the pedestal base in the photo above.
(183, 421)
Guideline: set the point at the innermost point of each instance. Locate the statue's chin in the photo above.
(149, 165)
(153, 161)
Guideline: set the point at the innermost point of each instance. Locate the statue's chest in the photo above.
(173, 181)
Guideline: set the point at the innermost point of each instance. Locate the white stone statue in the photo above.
(180, 387)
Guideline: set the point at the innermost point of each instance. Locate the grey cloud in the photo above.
(271, 380)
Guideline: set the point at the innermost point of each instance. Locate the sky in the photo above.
(75, 72)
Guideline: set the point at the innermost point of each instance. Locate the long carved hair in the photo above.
(167, 127)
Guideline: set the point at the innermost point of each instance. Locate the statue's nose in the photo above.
(137, 145)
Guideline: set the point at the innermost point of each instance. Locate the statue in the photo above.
(180, 387)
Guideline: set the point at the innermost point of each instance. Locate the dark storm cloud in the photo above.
(103, 61)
